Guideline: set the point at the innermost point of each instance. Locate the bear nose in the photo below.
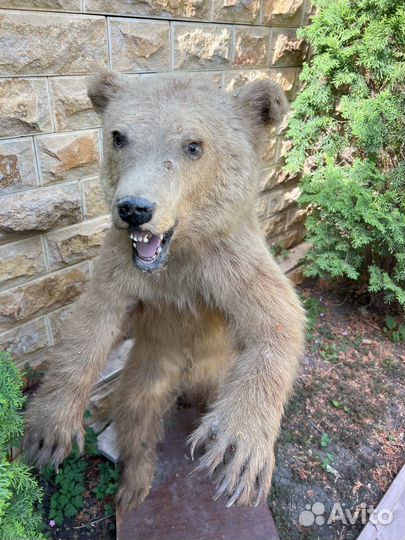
(135, 210)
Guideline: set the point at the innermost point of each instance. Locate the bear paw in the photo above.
(136, 482)
(49, 442)
(241, 461)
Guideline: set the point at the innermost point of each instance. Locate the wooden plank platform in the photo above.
(393, 501)
(180, 506)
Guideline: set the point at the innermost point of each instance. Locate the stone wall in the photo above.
(52, 215)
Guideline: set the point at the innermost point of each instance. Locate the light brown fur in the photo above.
(220, 318)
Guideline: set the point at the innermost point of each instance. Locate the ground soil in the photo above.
(342, 439)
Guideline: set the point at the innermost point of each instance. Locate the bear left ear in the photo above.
(261, 104)
(103, 87)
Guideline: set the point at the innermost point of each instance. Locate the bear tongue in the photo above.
(148, 249)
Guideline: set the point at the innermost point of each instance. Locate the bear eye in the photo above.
(194, 149)
(119, 139)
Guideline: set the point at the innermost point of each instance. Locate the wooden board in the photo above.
(180, 506)
(394, 502)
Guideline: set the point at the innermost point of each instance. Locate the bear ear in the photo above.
(261, 104)
(102, 87)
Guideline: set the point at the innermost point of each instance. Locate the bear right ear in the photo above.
(102, 87)
(261, 103)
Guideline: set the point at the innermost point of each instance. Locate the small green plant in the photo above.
(336, 403)
(107, 482)
(327, 461)
(20, 494)
(70, 481)
(330, 352)
(394, 328)
(325, 440)
(348, 132)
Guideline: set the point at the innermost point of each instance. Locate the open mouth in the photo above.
(149, 250)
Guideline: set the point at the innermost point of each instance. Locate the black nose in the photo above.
(135, 211)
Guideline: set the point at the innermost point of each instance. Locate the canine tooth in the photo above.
(159, 249)
(161, 236)
(146, 238)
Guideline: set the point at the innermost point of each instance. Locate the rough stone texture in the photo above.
(194, 9)
(202, 46)
(283, 12)
(252, 47)
(17, 165)
(34, 298)
(274, 176)
(46, 44)
(74, 244)
(138, 45)
(70, 156)
(57, 320)
(52, 5)
(40, 209)
(246, 11)
(24, 106)
(285, 77)
(269, 151)
(20, 261)
(287, 49)
(72, 108)
(94, 202)
(281, 198)
(25, 340)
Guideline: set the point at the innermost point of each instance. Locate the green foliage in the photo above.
(327, 462)
(108, 481)
(394, 328)
(70, 481)
(325, 440)
(19, 492)
(348, 133)
(67, 501)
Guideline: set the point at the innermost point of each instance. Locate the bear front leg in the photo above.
(54, 417)
(146, 391)
(241, 427)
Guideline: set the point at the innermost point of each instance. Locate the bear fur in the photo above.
(214, 314)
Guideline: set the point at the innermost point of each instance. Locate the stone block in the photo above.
(283, 12)
(72, 109)
(20, 261)
(287, 49)
(26, 340)
(24, 106)
(202, 46)
(39, 209)
(51, 43)
(68, 156)
(36, 297)
(193, 9)
(252, 47)
(76, 243)
(237, 11)
(138, 45)
(18, 169)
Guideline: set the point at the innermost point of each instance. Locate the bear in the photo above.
(211, 311)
